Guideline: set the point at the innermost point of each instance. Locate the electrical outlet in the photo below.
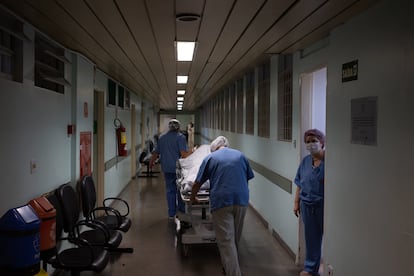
(330, 270)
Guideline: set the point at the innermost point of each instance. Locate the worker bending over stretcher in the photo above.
(228, 172)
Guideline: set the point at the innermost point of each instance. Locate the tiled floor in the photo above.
(153, 238)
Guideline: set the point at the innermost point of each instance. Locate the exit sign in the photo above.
(350, 71)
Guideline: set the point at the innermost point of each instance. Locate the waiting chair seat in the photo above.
(98, 238)
(81, 259)
(113, 223)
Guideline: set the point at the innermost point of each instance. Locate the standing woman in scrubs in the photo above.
(309, 198)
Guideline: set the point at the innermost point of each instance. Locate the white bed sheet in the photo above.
(187, 169)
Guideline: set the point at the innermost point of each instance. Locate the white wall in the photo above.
(33, 124)
(369, 226)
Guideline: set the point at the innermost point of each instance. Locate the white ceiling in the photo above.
(133, 40)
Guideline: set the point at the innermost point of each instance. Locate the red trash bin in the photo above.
(47, 215)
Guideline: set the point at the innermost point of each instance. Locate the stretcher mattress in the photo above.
(187, 169)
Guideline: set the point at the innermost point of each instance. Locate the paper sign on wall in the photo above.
(364, 121)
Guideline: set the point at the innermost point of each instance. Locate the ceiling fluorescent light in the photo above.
(182, 79)
(181, 92)
(185, 50)
(180, 98)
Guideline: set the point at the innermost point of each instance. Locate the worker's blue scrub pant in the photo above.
(312, 216)
(174, 201)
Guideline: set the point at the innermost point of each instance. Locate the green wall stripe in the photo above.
(273, 177)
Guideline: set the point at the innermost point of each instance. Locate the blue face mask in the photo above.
(314, 147)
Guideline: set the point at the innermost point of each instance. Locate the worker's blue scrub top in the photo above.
(169, 147)
(311, 181)
(229, 172)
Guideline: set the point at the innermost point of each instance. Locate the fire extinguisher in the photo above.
(120, 137)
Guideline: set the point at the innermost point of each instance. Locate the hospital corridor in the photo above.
(156, 252)
(305, 108)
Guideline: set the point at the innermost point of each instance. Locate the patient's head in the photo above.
(219, 142)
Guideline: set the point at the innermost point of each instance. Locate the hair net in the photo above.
(219, 142)
(174, 124)
(317, 133)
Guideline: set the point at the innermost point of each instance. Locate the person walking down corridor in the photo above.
(228, 171)
(171, 146)
(309, 198)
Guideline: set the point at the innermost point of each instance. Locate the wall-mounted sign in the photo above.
(364, 121)
(350, 71)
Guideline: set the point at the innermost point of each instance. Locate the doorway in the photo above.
(313, 115)
(98, 173)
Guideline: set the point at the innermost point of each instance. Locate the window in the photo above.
(127, 104)
(226, 110)
(285, 69)
(111, 92)
(210, 115)
(250, 103)
(264, 100)
(50, 65)
(11, 47)
(239, 105)
(121, 97)
(232, 108)
(216, 115)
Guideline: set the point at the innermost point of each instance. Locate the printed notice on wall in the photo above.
(364, 121)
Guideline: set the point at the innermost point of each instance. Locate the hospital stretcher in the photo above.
(195, 226)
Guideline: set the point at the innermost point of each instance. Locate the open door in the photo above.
(313, 115)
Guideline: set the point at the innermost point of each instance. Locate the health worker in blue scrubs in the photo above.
(171, 146)
(228, 171)
(309, 198)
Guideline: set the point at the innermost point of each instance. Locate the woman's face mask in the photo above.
(314, 147)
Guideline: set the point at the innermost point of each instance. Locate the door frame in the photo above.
(307, 114)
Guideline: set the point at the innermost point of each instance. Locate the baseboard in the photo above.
(275, 235)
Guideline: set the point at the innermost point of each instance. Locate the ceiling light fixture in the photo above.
(181, 92)
(180, 98)
(185, 50)
(182, 79)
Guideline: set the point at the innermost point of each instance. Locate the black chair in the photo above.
(144, 159)
(111, 217)
(81, 256)
(97, 235)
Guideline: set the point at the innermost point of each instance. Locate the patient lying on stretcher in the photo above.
(187, 169)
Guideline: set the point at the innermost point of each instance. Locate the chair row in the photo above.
(37, 230)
